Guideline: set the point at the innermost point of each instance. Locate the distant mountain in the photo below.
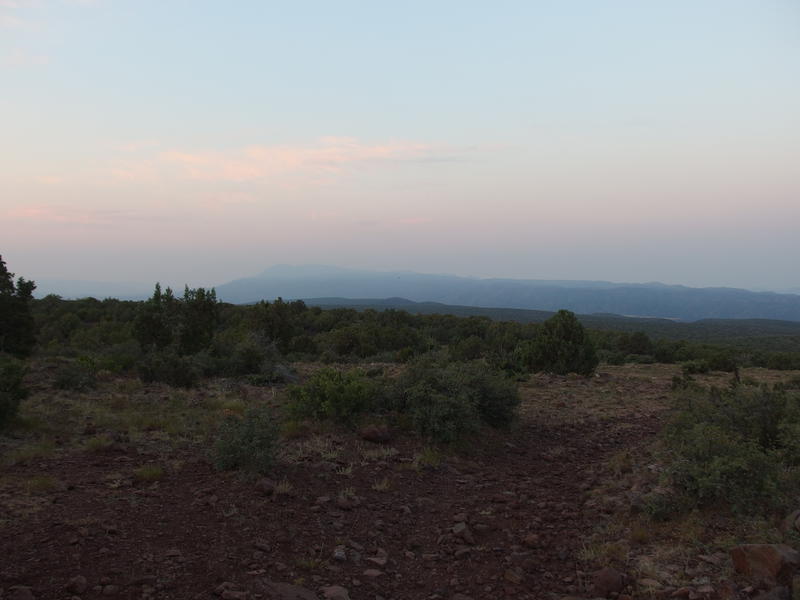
(69, 289)
(586, 297)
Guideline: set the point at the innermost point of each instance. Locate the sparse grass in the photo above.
(604, 553)
(310, 564)
(98, 443)
(382, 485)
(41, 484)
(347, 493)
(621, 463)
(428, 458)
(233, 406)
(293, 429)
(345, 471)
(640, 533)
(30, 452)
(379, 453)
(284, 488)
(148, 473)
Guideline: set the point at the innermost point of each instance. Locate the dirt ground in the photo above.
(115, 486)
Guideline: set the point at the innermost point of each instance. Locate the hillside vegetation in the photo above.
(184, 447)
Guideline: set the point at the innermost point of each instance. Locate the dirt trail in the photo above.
(505, 519)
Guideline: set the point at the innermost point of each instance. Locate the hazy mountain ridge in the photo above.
(586, 297)
(748, 334)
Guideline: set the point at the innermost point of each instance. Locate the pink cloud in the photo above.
(328, 155)
(63, 215)
(19, 58)
(413, 221)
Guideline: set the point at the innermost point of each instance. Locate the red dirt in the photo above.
(520, 493)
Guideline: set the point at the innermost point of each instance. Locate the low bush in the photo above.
(166, 366)
(561, 346)
(445, 401)
(12, 391)
(333, 394)
(76, 376)
(695, 367)
(247, 442)
(736, 447)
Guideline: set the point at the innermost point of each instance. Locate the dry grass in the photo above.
(148, 473)
(30, 452)
(383, 485)
(41, 484)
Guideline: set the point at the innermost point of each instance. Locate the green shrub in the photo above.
(662, 505)
(561, 346)
(695, 367)
(333, 394)
(737, 446)
(120, 358)
(247, 442)
(449, 400)
(716, 465)
(496, 396)
(611, 357)
(443, 417)
(11, 390)
(166, 366)
(76, 376)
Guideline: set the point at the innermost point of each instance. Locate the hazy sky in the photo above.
(199, 141)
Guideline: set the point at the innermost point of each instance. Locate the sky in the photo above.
(198, 141)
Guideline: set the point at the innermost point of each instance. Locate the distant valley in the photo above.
(641, 300)
(586, 297)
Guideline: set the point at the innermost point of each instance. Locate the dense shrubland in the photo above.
(737, 447)
(460, 366)
(204, 337)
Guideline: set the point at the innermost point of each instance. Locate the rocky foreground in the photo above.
(366, 517)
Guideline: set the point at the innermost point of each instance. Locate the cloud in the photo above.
(10, 21)
(20, 59)
(327, 155)
(413, 221)
(68, 216)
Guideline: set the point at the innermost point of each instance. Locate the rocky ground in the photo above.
(110, 493)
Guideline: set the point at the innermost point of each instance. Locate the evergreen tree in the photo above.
(561, 346)
(17, 328)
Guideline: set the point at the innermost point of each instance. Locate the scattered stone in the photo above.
(340, 554)
(462, 530)
(705, 590)
(377, 434)
(776, 561)
(284, 591)
(224, 587)
(531, 540)
(373, 573)
(608, 581)
(77, 585)
(791, 523)
(380, 559)
(335, 592)
(347, 502)
(20, 592)
(266, 486)
(514, 575)
(777, 593)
